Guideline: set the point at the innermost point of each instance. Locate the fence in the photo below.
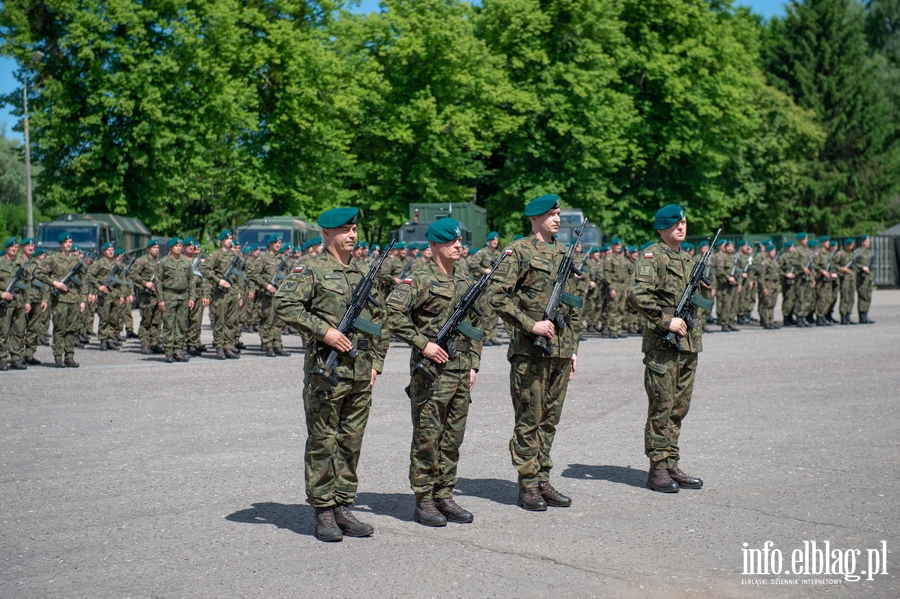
(886, 254)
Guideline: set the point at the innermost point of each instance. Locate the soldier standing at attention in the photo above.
(660, 278)
(417, 310)
(538, 381)
(143, 273)
(846, 265)
(314, 299)
(269, 326)
(13, 308)
(479, 265)
(68, 305)
(225, 302)
(191, 250)
(865, 280)
(176, 292)
(38, 295)
(96, 277)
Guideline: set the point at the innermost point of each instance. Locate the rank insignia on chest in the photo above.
(298, 269)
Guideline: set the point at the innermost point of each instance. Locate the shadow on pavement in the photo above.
(505, 492)
(298, 517)
(395, 505)
(614, 474)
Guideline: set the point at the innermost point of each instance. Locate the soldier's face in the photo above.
(674, 235)
(66, 245)
(547, 223)
(28, 249)
(108, 253)
(227, 243)
(342, 238)
(12, 250)
(175, 250)
(866, 243)
(771, 253)
(449, 250)
(493, 243)
(153, 251)
(276, 247)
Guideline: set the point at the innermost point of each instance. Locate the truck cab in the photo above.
(569, 221)
(91, 231)
(292, 229)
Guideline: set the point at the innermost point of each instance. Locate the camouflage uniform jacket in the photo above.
(57, 266)
(8, 270)
(521, 289)
(214, 269)
(660, 277)
(767, 274)
(175, 279)
(314, 298)
(143, 269)
(419, 307)
(97, 274)
(616, 270)
(37, 291)
(482, 259)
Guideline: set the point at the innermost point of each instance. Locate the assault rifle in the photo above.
(863, 274)
(809, 261)
(231, 271)
(352, 321)
(455, 324)
(691, 299)
(111, 278)
(406, 268)
(854, 257)
(734, 269)
(277, 277)
(196, 262)
(558, 295)
(72, 275)
(16, 283)
(830, 264)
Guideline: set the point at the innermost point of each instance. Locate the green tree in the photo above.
(818, 55)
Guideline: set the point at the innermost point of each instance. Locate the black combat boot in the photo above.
(820, 322)
(220, 353)
(71, 363)
(659, 480)
(145, 349)
(790, 321)
(58, 362)
(864, 318)
(530, 499)
(170, 359)
(279, 351)
(349, 524)
(182, 357)
(270, 351)
(18, 364)
(553, 497)
(451, 510)
(845, 319)
(131, 335)
(32, 361)
(4, 365)
(326, 528)
(231, 354)
(103, 346)
(240, 345)
(427, 514)
(685, 481)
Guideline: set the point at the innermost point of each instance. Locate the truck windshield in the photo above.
(258, 236)
(591, 236)
(80, 235)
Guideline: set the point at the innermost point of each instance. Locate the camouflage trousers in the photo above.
(439, 412)
(864, 285)
(175, 324)
(767, 306)
(269, 325)
(616, 314)
(489, 323)
(806, 297)
(538, 388)
(151, 321)
(824, 296)
(669, 382)
(106, 309)
(66, 322)
(195, 325)
(36, 325)
(12, 329)
(848, 293)
(727, 304)
(788, 297)
(336, 419)
(225, 315)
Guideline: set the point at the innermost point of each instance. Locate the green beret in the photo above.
(741, 243)
(118, 252)
(788, 244)
(518, 236)
(306, 245)
(824, 238)
(338, 217)
(593, 250)
(849, 240)
(687, 246)
(286, 248)
(802, 236)
(615, 241)
(174, 241)
(400, 245)
(26, 241)
(492, 235)
(542, 205)
(151, 243)
(863, 238)
(646, 245)
(668, 216)
(246, 250)
(604, 247)
(12, 241)
(38, 252)
(107, 245)
(473, 251)
(720, 243)
(316, 240)
(225, 233)
(633, 248)
(273, 238)
(188, 241)
(375, 247)
(813, 243)
(703, 244)
(444, 230)
(769, 247)
(363, 244)
(77, 248)
(64, 237)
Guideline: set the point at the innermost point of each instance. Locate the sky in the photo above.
(8, 83)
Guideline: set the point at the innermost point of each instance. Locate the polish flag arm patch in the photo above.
(407, 281)
(298, 269)
(648, 254)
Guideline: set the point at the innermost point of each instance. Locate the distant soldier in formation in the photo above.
(143, 272)
(225, 299)
(104, 295)
(38, 297)
(481, 264)
(272, 263)
(176, 294)
(192, 251)
(68, 301)
(768, 281)
(846, 260)
(13, 308)
(865, 279)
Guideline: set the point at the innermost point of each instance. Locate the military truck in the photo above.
(91, 231)
(293, 230)
(472, 218)
(569, 221)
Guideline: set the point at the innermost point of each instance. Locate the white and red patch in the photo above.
(407, 281)
(648, 254)
(298, 269)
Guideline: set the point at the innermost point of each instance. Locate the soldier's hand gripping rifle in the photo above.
(691, 298)
(72, 275)
(16, 283)
(112, 278)
(456, 325)
(812, 256)
(352, 320)
(559, 296)
(231, 272)
(277, 277)
(734, 272)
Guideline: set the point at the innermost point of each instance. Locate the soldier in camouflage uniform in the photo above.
(269, 325)
(768, 281)
(225, 300)
(314, 299)
(191, 251)
(538, 381)
(13, 307)
(479, 265)
(847, 263)
(803, 284)
(660, 278)
(616, 270)
(68, 304)
(824, 270)
(143, 272)
(176, 290)
(728, 286)
(417, 310)
(865, 279)
(38, 297)
(105, 297)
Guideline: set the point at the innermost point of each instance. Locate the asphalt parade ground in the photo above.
(129, 477)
